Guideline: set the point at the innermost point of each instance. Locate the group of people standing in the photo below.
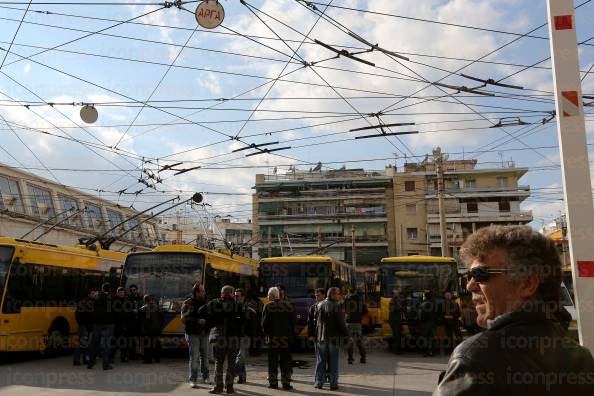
(428, 315)
(228, 323)
(108, 322)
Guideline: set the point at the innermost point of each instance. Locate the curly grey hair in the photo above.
(527, 253)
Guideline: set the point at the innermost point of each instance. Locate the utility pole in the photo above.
(319, 238)
(438, 159)
(269, 241)
(575, 169)
(354, 247)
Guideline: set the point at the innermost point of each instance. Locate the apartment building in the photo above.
(474, 198)
(236, 234)
(217, 233)
(35, 208)
(303, 212)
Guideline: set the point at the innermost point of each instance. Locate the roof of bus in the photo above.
(418, 259)
(194, 249)
(79, 249)
(298, 259)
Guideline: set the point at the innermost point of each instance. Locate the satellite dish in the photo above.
(89, 114)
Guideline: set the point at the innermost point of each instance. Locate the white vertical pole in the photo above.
(575, 165)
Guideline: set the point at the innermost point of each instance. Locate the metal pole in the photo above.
(438, 158)
(575, 167)
(280, 244)
(354, 247)
(269, 241)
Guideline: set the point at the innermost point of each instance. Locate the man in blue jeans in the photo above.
(330, 330)
(192, 317)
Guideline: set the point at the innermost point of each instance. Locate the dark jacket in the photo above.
(251, 324)
(278, 322)
(525, 353)
(311, 320)
(190, 314)
(124, 313)
(452, 309)
(354, 308)
(151, 320)
(103, 312)
(429, 312)
(225, 318)
(396, 310)
(330, 324)
(84, 313)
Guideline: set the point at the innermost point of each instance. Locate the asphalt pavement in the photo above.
(384, 374)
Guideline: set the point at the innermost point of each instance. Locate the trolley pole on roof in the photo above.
(577, 187)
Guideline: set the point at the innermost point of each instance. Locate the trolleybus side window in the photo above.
(5, 259)
(44, 285)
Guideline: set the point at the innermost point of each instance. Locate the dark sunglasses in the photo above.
(483, 274)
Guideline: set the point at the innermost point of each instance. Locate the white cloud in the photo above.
(210, 82)
(27, 68)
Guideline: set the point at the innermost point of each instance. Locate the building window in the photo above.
(472, 207)
(409, 185)
(411, 209)
(504, 206)
(470, 183)
(10, 195)
(412, 233)
(69, 204)
(41, 202)
(94, 217)
(502, 182)
(114, 219)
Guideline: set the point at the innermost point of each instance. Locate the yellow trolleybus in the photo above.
(411, 276)
(169, 272)
(40, 285)
(301, 275)
(367, 284)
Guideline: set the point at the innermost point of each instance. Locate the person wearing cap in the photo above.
(193, 318)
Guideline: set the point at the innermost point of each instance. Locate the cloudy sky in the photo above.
(169, 92)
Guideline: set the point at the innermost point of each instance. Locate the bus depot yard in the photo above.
(384, 374)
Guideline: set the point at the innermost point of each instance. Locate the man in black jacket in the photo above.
(515, 278)
(396, 309)
(193, 317)
(450, 314)
(103, 327)
(354, 309)
(135, 299)
(330, 330)
(151, 325)
(428, 315)
(226, 319)
(84, 318)
(124, 316)
(248, 332)
(278, 324)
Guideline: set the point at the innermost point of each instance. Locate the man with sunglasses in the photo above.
(515, 280)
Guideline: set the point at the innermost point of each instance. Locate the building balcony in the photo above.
(470, 192)
(320, 219)
(323, 195)
(524, 216)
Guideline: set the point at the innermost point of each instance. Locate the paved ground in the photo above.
(385, 374)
